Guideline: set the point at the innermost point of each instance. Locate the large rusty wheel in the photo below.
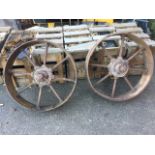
(121, 76)
(43, 89)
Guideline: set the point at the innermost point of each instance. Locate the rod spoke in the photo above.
(135, 54)
(99, 65)
(46, 53)
(25, 88)
(59, 63)
(39, 98)
(114, 87)
(64, 79)
(128, 82)
(102, 79)
(30, 60)
(55, 93)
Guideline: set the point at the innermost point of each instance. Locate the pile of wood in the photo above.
(77, 40)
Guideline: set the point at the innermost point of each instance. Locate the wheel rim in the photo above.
(118, 68)
(43, 78)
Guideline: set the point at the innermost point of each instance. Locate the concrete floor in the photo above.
(85, 113)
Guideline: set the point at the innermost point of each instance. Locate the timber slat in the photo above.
(117, 37)
(77, 40)
(45, 30)
(123, 25)
(5, 29)
(148, 42)
(129, 30)
(76, 33)
(49, 36)
(75, 27)
(102, 29)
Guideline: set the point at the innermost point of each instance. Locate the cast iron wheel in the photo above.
(117, 84)
(41, 77)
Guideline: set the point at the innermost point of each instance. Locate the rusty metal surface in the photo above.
(118, 68)
(41, 76)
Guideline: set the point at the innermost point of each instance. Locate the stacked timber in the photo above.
(77, 40)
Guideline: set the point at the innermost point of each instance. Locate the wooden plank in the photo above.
(79, 59)
(50, 57)
(39, 29)
(57, 41)
(60, 68)
(2, 35)
(41, 51)
(81, 71)
(117, 37)
(129, 30)
(123, 25)
(83, 47)
(5, 29)
(101, 29)
(100, 60)
(75, 27)
(76, 33)
(77, 40)
(79, 56)
(49, 36)
(148, 42)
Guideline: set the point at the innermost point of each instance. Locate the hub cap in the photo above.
(118, 67)
(43, 76)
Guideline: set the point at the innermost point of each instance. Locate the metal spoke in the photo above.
(101, 80)
(55, 93)
(135, 54)
(114, 87)
(29, 59)
(99, 65)
(46, 53)
(65, 79)
(59, 63)
(121, 46)
(39, 98)
(23, 89)
(128, 82)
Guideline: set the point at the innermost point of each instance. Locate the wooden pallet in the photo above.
(16, 38)
(79, 39)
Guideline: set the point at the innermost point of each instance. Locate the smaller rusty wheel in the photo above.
(38, 84)
(122, 76)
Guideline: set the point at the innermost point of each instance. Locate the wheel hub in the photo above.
(43, 75)
(118, 67)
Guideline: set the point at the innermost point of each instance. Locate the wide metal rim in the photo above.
(144, 81)
(10, 87)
